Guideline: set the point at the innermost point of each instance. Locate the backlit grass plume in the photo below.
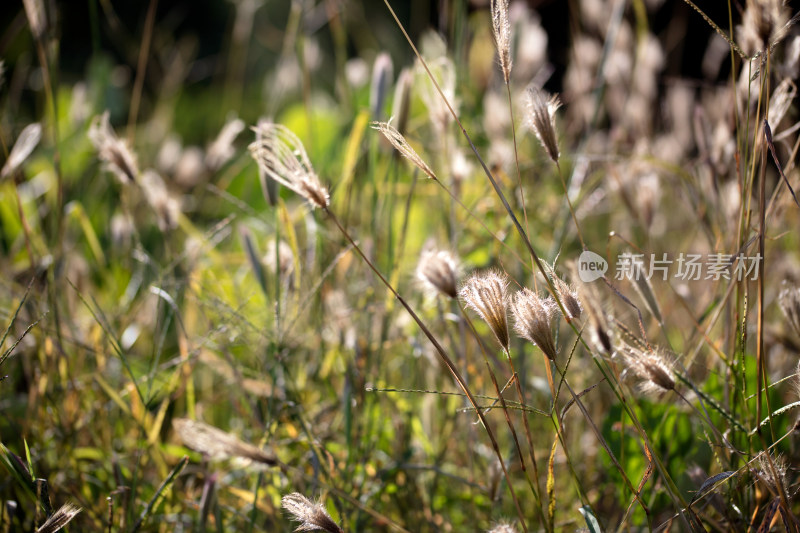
(533, 316)
(502, 35)
(28, 138)
(402, 146)
(438, 270)
(651, 367)
(282, 157)
(311, 515)
(218, 444)
(113, 151)
(789, 301)
(60, 518)
(542, 118)
(567, 294)
(487, 294)
(503, 527)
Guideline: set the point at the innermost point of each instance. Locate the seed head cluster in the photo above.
(503, 527)
(282, 157)
(652, 368)
(438, 271)
(789, 301)
(533, 316)
(401, 145)
(487, 294)
(113, 151)
(218, 444)
(542, 118)
(28, 138)
(502, 35)
(60, 518)
(311, 515)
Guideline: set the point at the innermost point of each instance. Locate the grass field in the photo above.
(317, 265)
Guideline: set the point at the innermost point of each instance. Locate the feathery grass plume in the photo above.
(503, 527)
(796, 382)
(356, 71)
(60, 518)
(165, 205)
(566, 293)
(764, 24)
(269, 188)
(487, 294)
(217, 444)
(781, 101)
(282, 157)
(190, 168)
(402, 146)
(280, 260)
(221, 150)
(502, 35)
(37, 19)
(28, 138)
(532, 320)
(311, 515)
(651, 367)
(438, 270)
(113, 151)
(765, 473)
(382, 71)
(791, 57)
(542, 118)
(789, 301)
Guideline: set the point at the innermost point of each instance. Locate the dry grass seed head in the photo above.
(567, 294)
(765, 473)
(37, 18)
(502, 35)
(651, 367)
(487, 294)
(503, 527)
(533, 316)
(222, 149)
(311, 515)
(279, 260)
(113, 151)
(438, 270)
(60, 518)
(28, 138)
(781, 101)
(764, 23)
(218, 444)
(401, 145)
(789, 301)
(282, 157)
(796, 380)
(166, 206)
(542, 118)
